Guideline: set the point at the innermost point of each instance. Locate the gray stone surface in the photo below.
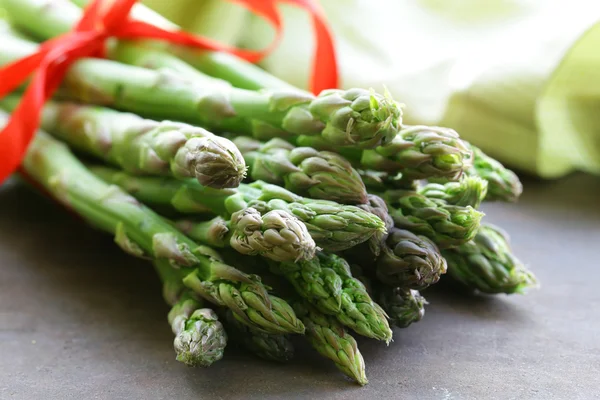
(78, 319)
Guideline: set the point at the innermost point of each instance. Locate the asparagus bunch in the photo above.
(184, 169)
(142, 233)
(486, 264)
(355, 117)
(303, 170)
(142, 146)
(333, 226)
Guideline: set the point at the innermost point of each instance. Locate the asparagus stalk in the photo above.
(214, 232)
(404, 306)
(239, 72)
(270, 347)
(368, 252)
(275, 234)
(379, 181)
(409, 261)
(200, 339)
(418, 152)
(469, 191)
(355, 117)
(446, 225)
(503, 184)
(142, 146)
(142, 233)
(359, 311)
(303, 170)
(334, 227)
(487, 264)
(331, 340)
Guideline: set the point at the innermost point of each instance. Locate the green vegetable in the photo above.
(409, 261)
(303, 170)
(503, 184)
(142, 233)
(418, 152)
(404, 306)
(331, 340)
(446, 225)
(141, 146)
(355, 117)
(200, 339)
(333, 226)
(268, 346)
(487, 264)
(469, 191)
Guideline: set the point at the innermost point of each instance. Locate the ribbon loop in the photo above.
(110, 18)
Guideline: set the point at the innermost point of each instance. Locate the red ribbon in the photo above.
(103, 19)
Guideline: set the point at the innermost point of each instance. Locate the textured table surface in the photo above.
(78, 319)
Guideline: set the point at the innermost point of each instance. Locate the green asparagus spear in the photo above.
(303, 170)
(469, 191)
(409, 261)
(487, 264)
(199, 336)
(264, 345)
(142, 146)
(276, 234)
(446, 225)
(271, 235)
(214, 232)
(418, 152)
(367, 253)
(503, 184)
(331, 340)
(355, 117)
(334, 227)
(321, 286)
(359, 311)
(404, 306)
(142, 233)
(239, 72)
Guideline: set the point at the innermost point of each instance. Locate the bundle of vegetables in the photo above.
(251, 197)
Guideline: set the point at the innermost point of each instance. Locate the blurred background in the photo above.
(518, 78)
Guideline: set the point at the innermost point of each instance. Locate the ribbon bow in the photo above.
(105, 18)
